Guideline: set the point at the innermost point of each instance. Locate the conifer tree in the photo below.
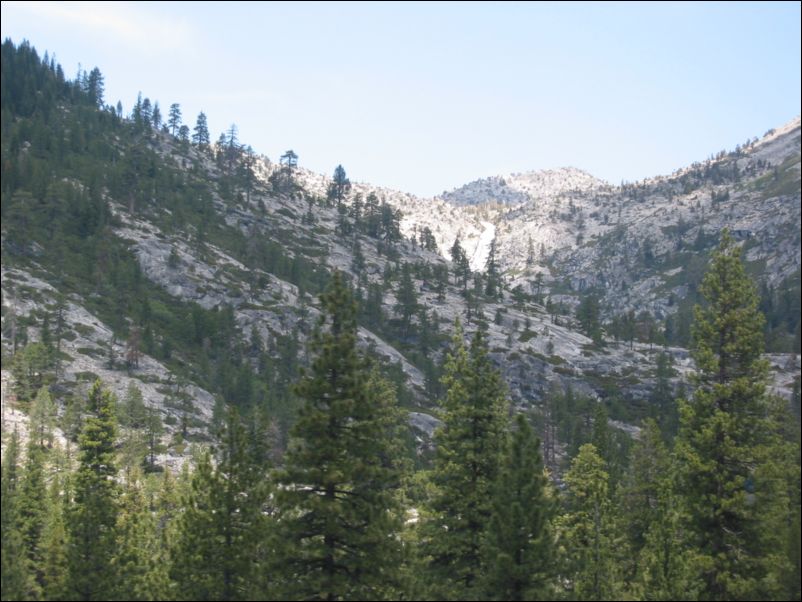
(146, 110)
(133, 411)
(600, 436)
(358, 263)
(91, 518)
(639, 493)
(650, 519)
(201, 136)
(730, 481)
(338, 509)
(153, 431)
(32, 505)
(530, 252)
(222, 526)
(194, 557)
(139, 564)
(183, 134)
(665, 570)
(465, 470)
(493, 285)
(407, 299)
(156, 116)
(427, 239)
(94, 87)
(339, 187)
(517, 544)
(461, 266)
(588, 315)
(32, 496)
(662, 399)
(586, 529)
(174, 118)
(43, 418)
(54, 569)
(30, 370)
(17, 580)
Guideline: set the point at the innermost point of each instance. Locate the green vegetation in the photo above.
(311, 485)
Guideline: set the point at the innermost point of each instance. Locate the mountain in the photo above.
(517, 189)
(636, 243)
(192, 270)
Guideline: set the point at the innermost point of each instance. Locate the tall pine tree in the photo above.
(465, 470)
(54, 542)
(517, 543)
(729, 481)
(650, 516)
(586, 540)
(407, 299)
(139, 562)
(493, 288)
(223, 526)
(338, 510)
(92, 517)
(17, 581)
(33, 506)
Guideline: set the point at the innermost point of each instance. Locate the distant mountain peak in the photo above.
(517, 188)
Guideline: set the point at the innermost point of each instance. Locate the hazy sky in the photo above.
(425, 97)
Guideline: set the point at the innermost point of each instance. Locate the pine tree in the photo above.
(338, 509)
(729, 480)
(588, 314)
(407, 299)
(30, 370)
(222, 527)
(427, 239)
(662, 399)
(665, 570)
(43, 418)
(17, 580)
(794, 543)
(95, 87)
(139, 564)
(612, 445)
(493, 285)
(461, 266)
(201, 136)
(146, 111)
(248, 160)
(650, 519)
(174, 118)
(465, 470)
(32, 496)
(133, 411)
(517, 544)
(183, 134)
(358, 263)
(586, 529)
(600, 436)
(54, 536)
(638, 497)
(339, 187)
(156, 116)
(530, 252)
(194, 555)
(153, 432)
(91, 518)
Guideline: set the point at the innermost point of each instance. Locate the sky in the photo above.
(425, 97)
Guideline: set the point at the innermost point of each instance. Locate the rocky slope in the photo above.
(629, 242)
(205, 252)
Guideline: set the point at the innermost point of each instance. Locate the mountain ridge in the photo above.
(194, 269)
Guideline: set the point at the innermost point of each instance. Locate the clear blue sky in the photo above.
(425, 97)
